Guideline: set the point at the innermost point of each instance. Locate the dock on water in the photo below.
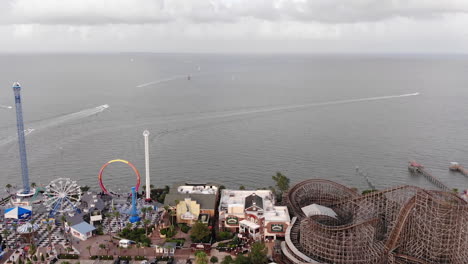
(417, 168)
(455, 166)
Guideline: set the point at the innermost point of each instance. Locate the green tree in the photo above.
(214, 259)
(143, 211)
(282, 182)
(258, 253)
(102, 246)
(201, 257)
(33, 185)
(242, 187)
(8, 187)
(227, 260)
(42, 258)
(241, 259)
(199, 232)
(89, 249)
(146, 222)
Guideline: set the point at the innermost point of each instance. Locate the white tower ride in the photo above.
(148, 189)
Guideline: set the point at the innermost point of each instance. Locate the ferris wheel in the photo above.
(62, 195)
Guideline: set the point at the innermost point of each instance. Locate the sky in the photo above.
(234, 26)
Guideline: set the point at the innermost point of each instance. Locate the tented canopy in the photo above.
(18, 212)
(27, 228)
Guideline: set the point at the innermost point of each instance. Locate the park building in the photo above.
(253, 213)
(193, 202)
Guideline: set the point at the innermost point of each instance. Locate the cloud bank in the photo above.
(91, 12)
(235, 25)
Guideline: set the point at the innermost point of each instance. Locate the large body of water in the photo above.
(238, 120)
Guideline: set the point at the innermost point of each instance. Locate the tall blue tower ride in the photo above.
(21, 141)
(133, 211)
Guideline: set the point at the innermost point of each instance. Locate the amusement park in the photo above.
(57, 220)
(314, 221)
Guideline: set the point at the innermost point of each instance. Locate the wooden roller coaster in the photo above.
(405, 224)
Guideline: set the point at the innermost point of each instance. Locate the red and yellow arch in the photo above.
(101, 171)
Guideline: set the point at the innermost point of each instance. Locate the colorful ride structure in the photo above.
(101, 171)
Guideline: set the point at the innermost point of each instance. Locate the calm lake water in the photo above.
(238, 120)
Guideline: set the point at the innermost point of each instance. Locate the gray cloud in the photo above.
(96, 12)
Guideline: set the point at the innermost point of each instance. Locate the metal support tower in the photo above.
(133, 212)
(21, 140)
(148, 185)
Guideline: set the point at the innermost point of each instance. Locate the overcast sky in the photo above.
(312, 26)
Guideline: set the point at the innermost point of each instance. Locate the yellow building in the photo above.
(193, 202)
(188, 211)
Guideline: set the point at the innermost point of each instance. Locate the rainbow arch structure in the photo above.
(101, 171)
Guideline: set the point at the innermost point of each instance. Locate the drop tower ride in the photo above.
(26, 191)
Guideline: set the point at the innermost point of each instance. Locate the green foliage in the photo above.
(282, 182)
(227, 260)
(200, 232)
(137, 235)
(224, 235)
(258, 253)
(367, 191)
(184, 228)
(42, 258)
(35, 258)
(241, 259)
(141, 258)
(455, 190)
(214, 259)
(100, 231)
(221, 187)
(201, 257)
(64, 256)
(282, 185)
(168, 231)
(84, 188)
(242, 187)
(125, 257)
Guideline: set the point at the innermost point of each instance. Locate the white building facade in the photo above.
(253, 213)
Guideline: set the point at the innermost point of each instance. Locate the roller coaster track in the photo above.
(400, 223)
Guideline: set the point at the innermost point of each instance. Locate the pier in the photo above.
(417, 168)
(454, 166)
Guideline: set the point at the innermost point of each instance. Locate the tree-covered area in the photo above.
(282, 185)
(200, 233)
(136, 234)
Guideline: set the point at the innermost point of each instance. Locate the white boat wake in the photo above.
(301, 106)
(56, 121)
(6, 107)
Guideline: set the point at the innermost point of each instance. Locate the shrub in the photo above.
(184, 228)
(65, 256)
(141, 258)
(125, 257)
(34, 258)
(224, 235)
